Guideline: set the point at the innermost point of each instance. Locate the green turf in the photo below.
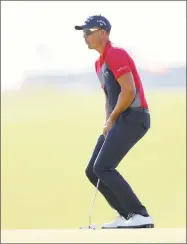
(47, 140)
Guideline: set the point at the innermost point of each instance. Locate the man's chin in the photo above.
(90, 47)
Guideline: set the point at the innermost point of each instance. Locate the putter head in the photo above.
(90, 227)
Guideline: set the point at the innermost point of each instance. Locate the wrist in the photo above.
(114, 115)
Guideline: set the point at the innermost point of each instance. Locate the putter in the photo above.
(92, 226)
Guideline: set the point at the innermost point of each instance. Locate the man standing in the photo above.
(127, 121)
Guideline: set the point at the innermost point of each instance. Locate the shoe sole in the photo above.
(131, 227)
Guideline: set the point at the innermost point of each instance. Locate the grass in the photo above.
(47, 140)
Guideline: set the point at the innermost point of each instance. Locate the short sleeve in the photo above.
(117, 61)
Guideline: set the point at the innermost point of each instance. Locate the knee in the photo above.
(89, 173)
(98, 170)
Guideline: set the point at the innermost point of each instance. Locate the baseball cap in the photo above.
(95, 21)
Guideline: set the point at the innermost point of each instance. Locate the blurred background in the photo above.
(52, 111)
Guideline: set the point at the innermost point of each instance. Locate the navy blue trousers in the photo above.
(129, 128)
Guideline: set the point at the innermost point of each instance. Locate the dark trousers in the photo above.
(130, 127)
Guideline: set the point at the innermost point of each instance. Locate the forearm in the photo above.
(125, 99)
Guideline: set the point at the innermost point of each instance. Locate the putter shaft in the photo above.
(91, 210)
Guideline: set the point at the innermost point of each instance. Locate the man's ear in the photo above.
(102, 32)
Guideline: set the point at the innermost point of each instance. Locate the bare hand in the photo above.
(108, 125)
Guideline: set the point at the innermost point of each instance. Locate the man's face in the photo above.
(92, 37)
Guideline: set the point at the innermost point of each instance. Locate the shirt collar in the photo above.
(107, 47)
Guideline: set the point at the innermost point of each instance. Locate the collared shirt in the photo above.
(113, 63)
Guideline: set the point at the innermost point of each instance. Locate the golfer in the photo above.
(127, 121)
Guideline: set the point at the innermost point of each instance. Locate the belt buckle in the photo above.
(146, 110)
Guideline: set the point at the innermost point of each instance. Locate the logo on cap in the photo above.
(89, 19)
(101, 22)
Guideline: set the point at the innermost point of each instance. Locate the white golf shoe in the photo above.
(118, 221)
(135, 221)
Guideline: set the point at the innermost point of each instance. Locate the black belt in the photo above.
(139, 109)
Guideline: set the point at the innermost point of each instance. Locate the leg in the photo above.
(104, 190)
(121, 138)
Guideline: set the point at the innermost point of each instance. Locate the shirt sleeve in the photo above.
(117, 61)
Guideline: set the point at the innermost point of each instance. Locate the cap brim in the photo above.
(80, 27)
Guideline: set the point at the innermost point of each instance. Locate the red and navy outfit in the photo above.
(113, 63)
(131, 125)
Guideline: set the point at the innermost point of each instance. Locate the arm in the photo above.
(118, 62)
(126, 95)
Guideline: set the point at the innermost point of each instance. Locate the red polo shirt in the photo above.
(113, 63)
